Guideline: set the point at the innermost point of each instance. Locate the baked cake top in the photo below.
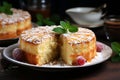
(18, 15)
(37, 35)
(83, 35)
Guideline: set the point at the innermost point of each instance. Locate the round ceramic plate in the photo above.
(99, 58)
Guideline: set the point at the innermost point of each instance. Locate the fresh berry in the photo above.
(80, 60)
(99, 47)
(18, 54)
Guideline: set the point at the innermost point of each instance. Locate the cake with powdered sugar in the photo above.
(78, 45)
(11, 26)
(41, 45)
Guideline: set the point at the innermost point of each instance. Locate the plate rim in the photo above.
(46, 67)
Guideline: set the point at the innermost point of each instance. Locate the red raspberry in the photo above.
(80, 60)
(99, 47)
(18, 54)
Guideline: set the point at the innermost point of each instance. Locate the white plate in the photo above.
(101, 57)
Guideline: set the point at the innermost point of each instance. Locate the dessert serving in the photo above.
(77, 46)
(41, 45)
(11, 25)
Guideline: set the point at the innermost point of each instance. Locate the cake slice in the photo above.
(78, 44)
(39, 45)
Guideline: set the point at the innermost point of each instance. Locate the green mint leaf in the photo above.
(115, 47)
(6, 8)
(48, 22)
(9, 12)
(64, 25)
(115, 58)
(59, 30)
(7, 5)
(40, 23)
(39, 17)
(2, 9)
(67, 27)
(70, 27)
(73, 29)
(55, 18)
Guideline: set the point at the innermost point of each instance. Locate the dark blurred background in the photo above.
(53, 7)
(59, 6)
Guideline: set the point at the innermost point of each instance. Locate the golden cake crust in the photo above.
(11, 26)
(81, 43)
(39, 45)
(37, 42)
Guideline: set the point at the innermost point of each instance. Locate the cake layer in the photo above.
(11, 26)
(14, 30)
(39, 45)
(81, 43)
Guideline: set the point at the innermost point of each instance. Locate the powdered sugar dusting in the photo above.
(18, 15)
(37, 35)
(82, 35)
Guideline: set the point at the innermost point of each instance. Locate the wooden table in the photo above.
(103, 71)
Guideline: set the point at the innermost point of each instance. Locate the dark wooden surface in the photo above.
(103, 71)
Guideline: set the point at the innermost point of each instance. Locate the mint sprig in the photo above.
(6, 8)
(41, 20)
(65, 28)
(116, 48)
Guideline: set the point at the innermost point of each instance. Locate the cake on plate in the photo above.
(78, 44)
(39, 45)
(11, 26)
